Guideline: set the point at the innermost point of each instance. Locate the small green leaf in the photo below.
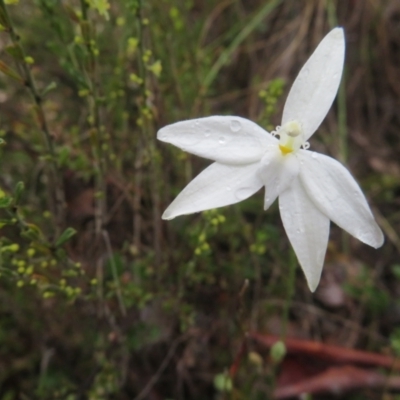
(396, 270)
(72, 14)
(51, 86)
(156, 68)
(5, 201)
(278, 351)
(101, 6)
(4, 222)
(65, 236)
(15, 52)
(29, 60)
(19, 189)
(5, 69)
(3, 18)
(33, 232)
(223, 382)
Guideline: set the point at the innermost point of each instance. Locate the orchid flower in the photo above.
(312, 188)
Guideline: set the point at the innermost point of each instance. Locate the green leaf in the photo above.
(71, 13)
(5, 69)
(278, 351)
(3, 18)
(33, 232)
(51, 86)
(65, 236)
(15, 52)
(19, 189)
(223, 382)
(5, 201)
(4, 222)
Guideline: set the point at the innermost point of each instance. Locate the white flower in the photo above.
(312, 187)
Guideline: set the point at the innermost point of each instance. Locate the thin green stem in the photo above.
(241, 36)
(291, 280)
(148, 137)
(94, 120)
(342, 115)
(139, 26)
(114, 272)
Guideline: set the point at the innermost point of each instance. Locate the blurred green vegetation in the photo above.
(100, 298)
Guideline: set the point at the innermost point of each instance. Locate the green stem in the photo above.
(115, 273)
(291, 280)
(94, 119)
(225, 56)
(342, 115)
(149, 140)
(139, 25)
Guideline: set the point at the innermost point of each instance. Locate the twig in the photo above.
(114, 272)
(96, 129)
(146, 390)
(148, 138)
(387, 228)
(137, 196)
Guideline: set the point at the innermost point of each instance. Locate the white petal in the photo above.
(277, 173)
(218, 185)
(307, 229)
(230, 140)
(315, 88)
(335, 192)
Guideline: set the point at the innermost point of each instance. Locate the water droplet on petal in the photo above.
(244, 193)
(221, 140)
(334, 76)
(314, 155)
(197, 122)
(207, 132)
(235, 125)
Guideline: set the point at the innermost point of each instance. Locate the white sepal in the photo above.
(277, 173)
(231, 140)
(217, 186)
(315, 87)
(335, 192)
(307, 229)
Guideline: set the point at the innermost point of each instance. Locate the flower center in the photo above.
(290, 137)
